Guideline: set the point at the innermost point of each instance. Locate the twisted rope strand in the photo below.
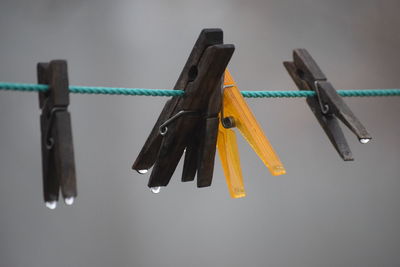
(124, 91)
(26, 87)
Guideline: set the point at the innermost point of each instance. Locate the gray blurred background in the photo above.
(324, 212)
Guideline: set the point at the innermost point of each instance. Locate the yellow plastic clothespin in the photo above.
(236, 113)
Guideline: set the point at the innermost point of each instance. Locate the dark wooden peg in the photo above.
(56, 134)
(195, 133)
(327, 105)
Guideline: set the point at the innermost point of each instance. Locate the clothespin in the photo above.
(236, 113)
(327, 105)
(189, 122)
(56, 134)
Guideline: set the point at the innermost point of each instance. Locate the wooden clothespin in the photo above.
(236, 113)
(55, 121)
(327, 105)
(189, 122)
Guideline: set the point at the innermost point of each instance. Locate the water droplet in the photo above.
(364, 140)
(51, 205)
(142, 171)
(69, 201)
(156, 189)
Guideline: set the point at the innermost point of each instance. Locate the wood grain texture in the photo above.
(58, 162)
(148, 154)
(210, 70)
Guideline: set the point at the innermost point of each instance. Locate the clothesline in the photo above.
(26, 87)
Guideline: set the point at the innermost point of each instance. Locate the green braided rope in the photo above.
(344, 93)
(25, 87)
(123, 91)
(165, 92)
(277, 94)
(374, 92)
